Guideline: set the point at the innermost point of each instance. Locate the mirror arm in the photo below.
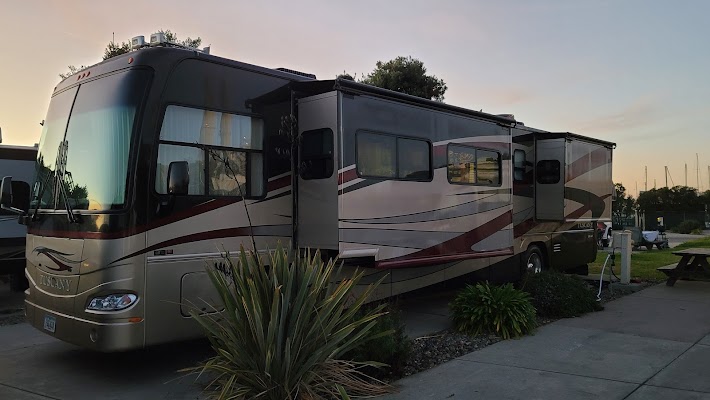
(13, 210)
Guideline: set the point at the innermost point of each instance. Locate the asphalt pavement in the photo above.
(654, 344)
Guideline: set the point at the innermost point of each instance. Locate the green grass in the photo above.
(644, 263)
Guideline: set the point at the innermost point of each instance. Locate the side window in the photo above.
(461, 165)
(376, 155)
(413, 159)
(195, 158)
(472, 166)
(519, 166)
(487, 167)
(392, 157)
(547, 172)
(223, 151)
(317, 154)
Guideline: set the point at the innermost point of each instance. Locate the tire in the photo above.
(649, 247)
(533, 261)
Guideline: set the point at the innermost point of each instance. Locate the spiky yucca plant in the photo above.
(283, 329)
(502, 310)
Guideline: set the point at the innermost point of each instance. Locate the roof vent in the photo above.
(299, 73)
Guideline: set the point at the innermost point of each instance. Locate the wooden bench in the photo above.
(692, 265)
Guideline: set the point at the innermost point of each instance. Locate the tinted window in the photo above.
(227, 172)
(470, 165)
(223, 151)
(195, 158)
(487, 167)
(191, 125)
(87, 152)
(413, 159)
(548, 171)
(376, 155)
(461, 166)
(519, 166)
(387, 156)
(316, 154)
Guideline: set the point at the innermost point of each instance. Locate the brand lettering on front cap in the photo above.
(55, 283)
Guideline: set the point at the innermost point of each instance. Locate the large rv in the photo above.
(153, 162)
(18, 162)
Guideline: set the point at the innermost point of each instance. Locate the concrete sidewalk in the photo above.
(654, 344)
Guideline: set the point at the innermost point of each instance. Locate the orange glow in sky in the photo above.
(631, 72)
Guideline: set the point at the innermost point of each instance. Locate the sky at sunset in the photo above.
(632, 72)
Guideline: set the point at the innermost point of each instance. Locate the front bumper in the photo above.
(99, 336)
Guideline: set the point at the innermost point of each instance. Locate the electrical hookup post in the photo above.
(625, 242)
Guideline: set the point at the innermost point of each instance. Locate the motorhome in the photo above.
(18, 162)
(153, 162)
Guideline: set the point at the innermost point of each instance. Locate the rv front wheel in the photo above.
(534, 261)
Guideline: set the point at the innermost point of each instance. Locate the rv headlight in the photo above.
(112, 302)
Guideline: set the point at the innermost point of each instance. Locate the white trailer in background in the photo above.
(18, 162)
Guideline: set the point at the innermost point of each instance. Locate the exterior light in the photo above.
(137, 42)
(157, 39)
(112, 302)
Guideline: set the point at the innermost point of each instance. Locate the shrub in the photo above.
(557, 295)
(388, 345)
(688, 226)
(285, 328)
(502, 310)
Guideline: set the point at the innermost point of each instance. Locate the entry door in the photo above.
(550, 179)
(318, 172)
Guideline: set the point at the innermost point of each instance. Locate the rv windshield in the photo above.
(86, 141)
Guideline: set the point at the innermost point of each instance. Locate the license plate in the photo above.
(50, 323)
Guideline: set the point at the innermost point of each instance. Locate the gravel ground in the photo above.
(430, 351)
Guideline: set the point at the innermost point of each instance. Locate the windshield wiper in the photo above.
(38, 198)
(62, 191)
(67, 206)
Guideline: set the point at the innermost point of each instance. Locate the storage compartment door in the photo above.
(550, 175)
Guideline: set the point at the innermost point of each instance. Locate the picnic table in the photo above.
(692, 265)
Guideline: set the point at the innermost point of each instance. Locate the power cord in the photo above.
(610, 257)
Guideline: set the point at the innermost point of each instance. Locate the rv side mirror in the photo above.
(6, 198)
(6, 192)
(21, 195)
(178, 177)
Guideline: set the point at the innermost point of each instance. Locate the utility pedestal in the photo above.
(622, 243)
(625, 244)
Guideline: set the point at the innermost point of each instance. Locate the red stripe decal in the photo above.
(588, 162)
(279, 183)
(423, 261)
(347, 176)
(459, 246)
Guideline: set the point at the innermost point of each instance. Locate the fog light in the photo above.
(112, 302)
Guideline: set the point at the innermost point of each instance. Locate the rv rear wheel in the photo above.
(533, 260)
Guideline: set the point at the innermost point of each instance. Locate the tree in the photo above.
(72, 70)
(623, 207)
(346, 76)
(114, 49)
(406, 75)
(189, 42)
(676, 199)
